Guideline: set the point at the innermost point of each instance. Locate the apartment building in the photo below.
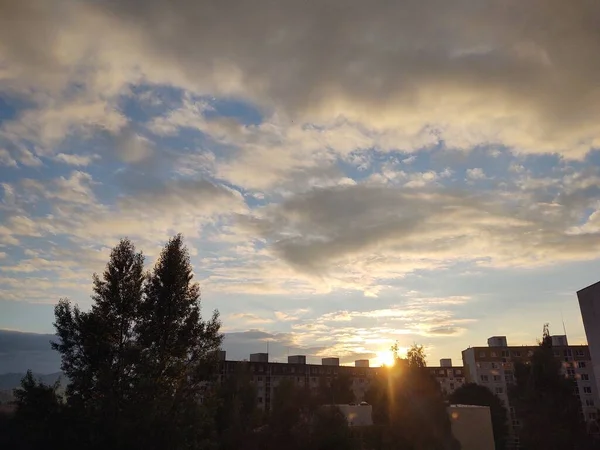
(589, 304)
(493, 367)
(449, 377)
(267, 375)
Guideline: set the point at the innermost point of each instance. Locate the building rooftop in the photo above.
(596, 284)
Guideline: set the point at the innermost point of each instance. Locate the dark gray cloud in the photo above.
(521, 73)
(394, 230)
(20, 351)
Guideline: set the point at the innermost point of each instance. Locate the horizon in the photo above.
(345, 175)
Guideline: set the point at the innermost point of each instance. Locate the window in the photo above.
(589, 402)
(571, 372)
(458, 372)
(517, 354)
(258, 378)
(260, 400)
(494, 366)
(581, 364)
(497, 378)
(484, 378)
(441, 372)
(556, 353)
(592, 416)
(587, 390)
(499, 390)
(451, 385)
(567, 352)
(579, 352)
(482, 354)
(493, 354)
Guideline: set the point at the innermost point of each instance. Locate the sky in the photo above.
(346, 174)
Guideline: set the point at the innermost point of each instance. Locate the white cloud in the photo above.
(6, 159)
(75, 160)
(476, 174)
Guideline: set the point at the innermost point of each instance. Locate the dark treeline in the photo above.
(142, 366)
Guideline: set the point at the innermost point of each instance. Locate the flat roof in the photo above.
(588, 287)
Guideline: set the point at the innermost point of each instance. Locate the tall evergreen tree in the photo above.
(179, 350)
(98, 347)
(546, 404)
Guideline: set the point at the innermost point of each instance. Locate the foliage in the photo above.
(299, 420)
(236, 412)
(408, 408)
(38, 416)
(336, 391)
(474, 394)
(139, 360)
(545, 402)
(415, 356)
(179, 351)
(330, 431)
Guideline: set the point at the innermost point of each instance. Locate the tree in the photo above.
(289, 419)
(545, 402)
(474, 394)
(236, 412)
(179, 352)
(98, 348)
(409, 411)
(415, 356)
(37, 421)
(330, 431)
(336, 391)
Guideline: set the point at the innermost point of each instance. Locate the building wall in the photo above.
(357, 415)
(589, 304)
(449, 378)
(493, 367)
(472, 426)
(267, 375)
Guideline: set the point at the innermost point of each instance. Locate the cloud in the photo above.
(75, 160)
(379, 232)
(470, 76)
(6, 159)
(476, 174)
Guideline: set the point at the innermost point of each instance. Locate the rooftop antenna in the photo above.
(267, 346)
(563, 322)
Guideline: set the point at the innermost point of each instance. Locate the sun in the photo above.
(385, 357)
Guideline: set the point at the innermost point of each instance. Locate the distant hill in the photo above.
(20, 352)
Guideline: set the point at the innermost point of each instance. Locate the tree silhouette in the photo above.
(545, 402)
